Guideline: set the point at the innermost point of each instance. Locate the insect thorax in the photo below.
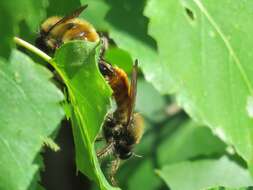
(118, 134)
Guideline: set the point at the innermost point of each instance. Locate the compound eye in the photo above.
(105, 68)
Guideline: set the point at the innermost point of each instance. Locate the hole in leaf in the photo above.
(189, 13)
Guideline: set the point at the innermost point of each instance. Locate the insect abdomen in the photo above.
(81, 30)
(120, 86)
(73, 29)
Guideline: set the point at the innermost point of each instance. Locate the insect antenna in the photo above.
(137, 155)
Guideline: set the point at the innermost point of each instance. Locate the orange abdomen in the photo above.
(120, 86)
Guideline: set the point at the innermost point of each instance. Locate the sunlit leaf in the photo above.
(30, 111)
(205, 174)
(189, 141)
(89, 96)
(205, 51)
(128, 28)
(145, 105)
(119, 58)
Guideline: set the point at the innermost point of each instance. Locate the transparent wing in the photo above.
(74, 14)
(133, 91)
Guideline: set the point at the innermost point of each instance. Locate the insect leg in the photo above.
(99, 138)
(114, 168)
(105, 45)
(105, 151)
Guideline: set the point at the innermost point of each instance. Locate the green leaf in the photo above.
(146, 94)
(11, 13)
(139, 176)
(95, 13)
(205, 174)
(120, 58)
(30, 111)
(57, 8)
(34, 185)
(225, 188)
(89, 96)
(202, 52)
(128, 28)
(189, 141)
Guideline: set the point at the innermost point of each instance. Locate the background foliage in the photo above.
(194, 92)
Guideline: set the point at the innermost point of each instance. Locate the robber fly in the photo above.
(123, 128)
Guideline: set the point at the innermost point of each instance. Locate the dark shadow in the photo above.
(127, 15)
(61, 8)
(60, 169)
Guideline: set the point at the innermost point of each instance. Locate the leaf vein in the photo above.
(227, 44)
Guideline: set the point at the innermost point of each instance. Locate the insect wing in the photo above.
(133, 91)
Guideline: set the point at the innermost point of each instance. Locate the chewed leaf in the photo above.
(90, 99)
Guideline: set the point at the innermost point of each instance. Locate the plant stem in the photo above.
(32, 49)
(48, 59)
(41, 54)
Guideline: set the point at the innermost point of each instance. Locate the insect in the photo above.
(57, 30)
(123, 128)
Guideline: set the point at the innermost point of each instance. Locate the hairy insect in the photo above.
(123, 128)
(57, 30)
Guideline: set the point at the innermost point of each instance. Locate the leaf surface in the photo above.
(12, 12)
(90, 98)
(205, 174)
(30, 111)
(205, 51)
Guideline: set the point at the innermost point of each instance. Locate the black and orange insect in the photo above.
(123, 128)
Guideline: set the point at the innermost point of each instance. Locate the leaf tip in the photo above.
(47, 141)
(220, 133)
